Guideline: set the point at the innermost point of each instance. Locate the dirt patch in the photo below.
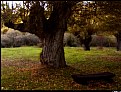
(21, 66)
(18, 63)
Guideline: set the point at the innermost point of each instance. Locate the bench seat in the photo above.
(83, 79)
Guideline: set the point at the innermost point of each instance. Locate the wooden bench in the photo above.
(83, 79)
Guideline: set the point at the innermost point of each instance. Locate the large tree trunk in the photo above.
(53, 51)
(118, 37)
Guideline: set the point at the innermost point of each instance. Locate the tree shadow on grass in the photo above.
(52, 78)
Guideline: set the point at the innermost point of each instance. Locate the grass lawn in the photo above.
(21, 69)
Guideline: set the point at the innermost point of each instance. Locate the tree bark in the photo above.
(53, 51)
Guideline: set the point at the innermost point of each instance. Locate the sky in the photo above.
(21, 2)
(14, 2)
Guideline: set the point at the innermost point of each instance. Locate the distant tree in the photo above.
(111, 20)
(112, 25)
(96, 17)
(83, 22)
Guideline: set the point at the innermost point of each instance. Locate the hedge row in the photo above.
(105, 41)
(14, 38)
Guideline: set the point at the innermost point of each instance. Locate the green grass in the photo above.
(31, 53)
(21, 70)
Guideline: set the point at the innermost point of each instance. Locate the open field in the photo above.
(21, 69)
